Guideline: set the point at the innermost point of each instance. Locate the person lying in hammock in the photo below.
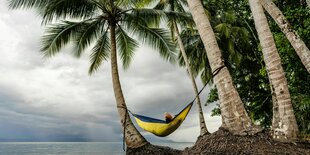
(168, 117)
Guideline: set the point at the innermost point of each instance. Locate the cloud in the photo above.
(56, 100)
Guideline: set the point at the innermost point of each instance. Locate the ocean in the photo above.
(71, 148)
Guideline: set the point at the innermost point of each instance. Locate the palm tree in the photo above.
(300, 47)
(175, 11)
(109, 24)
(284, 123)
(231, 37)
(196, 55)
(234, 116)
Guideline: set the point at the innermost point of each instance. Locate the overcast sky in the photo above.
(56, 100)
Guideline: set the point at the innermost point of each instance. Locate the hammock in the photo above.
(159, 127)
(162, 128)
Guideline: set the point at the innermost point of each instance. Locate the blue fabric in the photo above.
(149, 119)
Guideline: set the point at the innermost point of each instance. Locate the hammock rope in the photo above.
(214, 73)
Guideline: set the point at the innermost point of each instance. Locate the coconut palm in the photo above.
(110, 25)
(175, 13)
(196, 54)
(300, 47)
(234, 116)
(231, 37)
(284, 123)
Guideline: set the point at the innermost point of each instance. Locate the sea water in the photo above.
(71, 148)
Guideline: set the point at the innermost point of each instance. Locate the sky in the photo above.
(54, 99)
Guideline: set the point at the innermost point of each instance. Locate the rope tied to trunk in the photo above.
(124, 125)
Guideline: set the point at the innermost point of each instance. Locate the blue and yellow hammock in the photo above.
(162, 128)
(159, 127)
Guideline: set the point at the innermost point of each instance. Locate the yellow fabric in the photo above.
(164, 129)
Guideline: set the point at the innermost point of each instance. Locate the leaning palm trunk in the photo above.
(300, 47)
(203, 128)
(234, 116)
(132, 136)
(284, 123)
(275, 107)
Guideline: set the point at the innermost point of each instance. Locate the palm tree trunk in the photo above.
(133, 138)
(203, 128)
(234, 116)
(275, 107)
(285, 127)
(300, 47)
(308, 3)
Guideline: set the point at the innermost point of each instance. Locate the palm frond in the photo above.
(161, 5)
(86, 34)
(126, 4)
(206, 75)
(15, 4)
(196, 54)
(224, 29)
(142, 3)
(182, 3)
(184, 19)
(150, 16)
(158, 39)
(100, 52)
(230, 17)
(190, 36)
(179, 5)
(80, 9)
(58, 35)
(174, 12)
(133, 3)
(126, 46)
(172, 31)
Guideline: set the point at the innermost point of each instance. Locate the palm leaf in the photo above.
(230, 17)
(196, 54)
(126, 46)
(81, 9)
(133, 3)
(86, 34)
(174, 12)
(15, 4)
(224, 29)
(158, 39)
(179, 5)
(150, 16)
(161, 5)
(184, 19)
(100, 52)
(58, 35)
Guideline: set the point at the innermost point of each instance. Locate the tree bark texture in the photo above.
(234, 116)
(203, 128)
(300, 47)
(132, 136)
(285, 127)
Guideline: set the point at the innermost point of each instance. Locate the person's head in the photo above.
(168, 116)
